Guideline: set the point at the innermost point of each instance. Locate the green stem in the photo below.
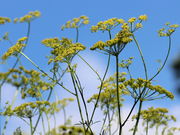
(64, 113)
(48, 122)
(164, 63)
(109, 32)
(43, 125)
(48, 98)
(109, 119)
(135, 102)
(90, 67)
(31, 126)
(147, 124)
(117, 93)
(157, 129)
(163, 131)
(78, 84)
(142, 57)
(77, 97)
(95, 106)
(45, 73)
(104, 121)
(77, 34)
(129, 72)
(138, 118)
(54, 117)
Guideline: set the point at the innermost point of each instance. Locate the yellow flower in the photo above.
(121, 21)
(63, 50)
(167, 30)
(125, 26)
(107, 25)
(15, 48)
(100, 45)
(16, 20)
(143, 17)
(76, 22)
(139, 25)
(131, 20)
(94, 28)
(29, 17)
(85, 22)
(22, 39)
(4, 20)
(174, 26)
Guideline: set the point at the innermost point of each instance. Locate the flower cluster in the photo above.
(27, 110)
(153, 90)
(167, 30)
(68, 130)
(172, 130)
(29, 81)
(29, 17)
(15, 48)
(58, 105)
(136, 23)
(126, 63)
(76, 22)
(109, 93)
(155, 116)
(63, 50)
(119, 42)
(107, 25)
(4, 20)
(124, 36)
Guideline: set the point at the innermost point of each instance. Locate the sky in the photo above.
(56, 12)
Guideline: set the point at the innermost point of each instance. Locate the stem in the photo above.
(109, 32)
(117, 92)
(50, 93)
(142, 57)
(138, 117)
(90, 67)
(104, 121)
(164, 63)
(31, 126)
(163, 131)
(64, 113)
(77, 97)
(129, 72)
(54, 117)
(48, 122)
(77, 34)
(95, 106)
(45, 73)
(157, 129)
(78, 83)
(43, 125)
(109, 119)
(147, 124)
(135, 102)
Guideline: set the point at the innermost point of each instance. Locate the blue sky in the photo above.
(56, 12)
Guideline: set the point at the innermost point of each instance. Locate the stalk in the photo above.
(77, 98)
(117, 92)
(147, 124)
(31, 126)
(138, 117)
(45, 73)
